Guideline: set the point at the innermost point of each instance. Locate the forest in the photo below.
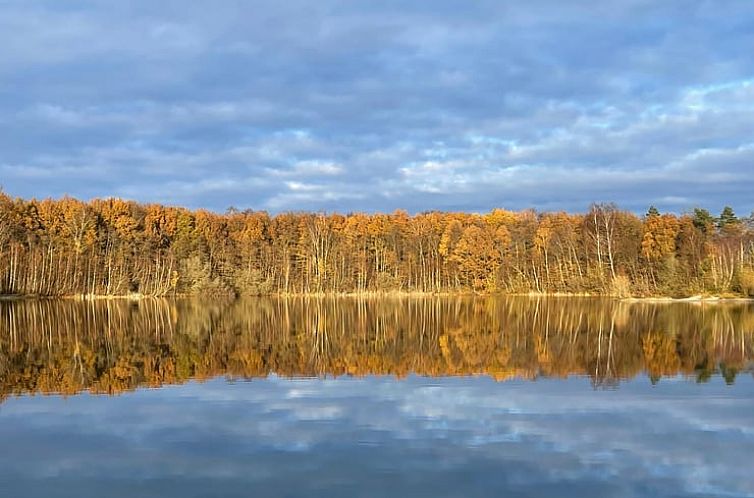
(114, 247)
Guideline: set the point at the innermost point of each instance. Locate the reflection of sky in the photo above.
(377, 437)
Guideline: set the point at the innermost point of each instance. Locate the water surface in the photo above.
(390, 397)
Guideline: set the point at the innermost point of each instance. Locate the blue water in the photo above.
(381, 436)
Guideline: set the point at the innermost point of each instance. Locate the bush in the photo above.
(621, 286)
(386, 282)
(252, 283)
(746, 282)
(197, 278)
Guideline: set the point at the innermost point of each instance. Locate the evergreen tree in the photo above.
(703, 220)
(727, 218)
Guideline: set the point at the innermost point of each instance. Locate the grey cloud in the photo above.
(549, 104)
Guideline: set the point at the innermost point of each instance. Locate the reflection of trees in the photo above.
(67, 346)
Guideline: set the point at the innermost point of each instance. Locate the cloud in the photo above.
(546, 104)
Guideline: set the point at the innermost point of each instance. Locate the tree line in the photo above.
(117, 247)
(111, 346)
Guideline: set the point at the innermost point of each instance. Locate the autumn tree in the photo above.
(116, 247)
(477, 258)
(658, 248)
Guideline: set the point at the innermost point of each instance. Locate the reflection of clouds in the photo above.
(441, 435)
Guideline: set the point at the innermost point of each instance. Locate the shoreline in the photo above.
(691, 299)
(701, 299)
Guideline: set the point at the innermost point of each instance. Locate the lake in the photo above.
(436, 396)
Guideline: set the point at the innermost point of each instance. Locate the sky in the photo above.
(378, 436)
(380, 105)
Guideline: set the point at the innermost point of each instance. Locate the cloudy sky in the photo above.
(373, 106)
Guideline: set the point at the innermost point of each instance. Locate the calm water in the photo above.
(421, 397)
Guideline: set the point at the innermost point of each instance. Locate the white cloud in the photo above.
(444, 108)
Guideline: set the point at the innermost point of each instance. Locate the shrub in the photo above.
(621, 286)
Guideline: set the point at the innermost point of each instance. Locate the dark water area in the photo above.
(380, 397)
